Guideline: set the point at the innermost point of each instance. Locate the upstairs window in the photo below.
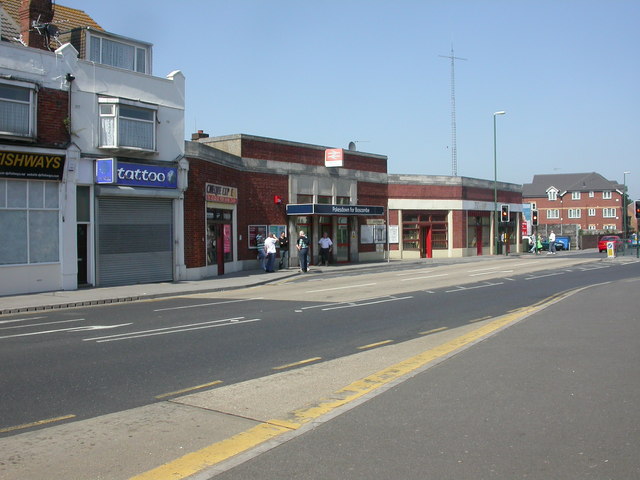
(606, 195)
(127, 126)
(17, 109)
(575, 195)
(552, 195)
(120, 54)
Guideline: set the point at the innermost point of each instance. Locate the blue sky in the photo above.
(328, 72)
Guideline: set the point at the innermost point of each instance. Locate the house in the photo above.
(582, 201)
(92, 150)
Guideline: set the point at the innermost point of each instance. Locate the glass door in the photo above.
(342, 241)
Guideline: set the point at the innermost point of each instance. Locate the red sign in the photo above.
(333, 157)
(523, 228)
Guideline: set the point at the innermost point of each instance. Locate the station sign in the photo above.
(328, 209)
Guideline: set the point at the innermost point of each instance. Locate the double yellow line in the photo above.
(218, 452)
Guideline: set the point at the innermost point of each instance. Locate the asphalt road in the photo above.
(91, 361)
(553, 397)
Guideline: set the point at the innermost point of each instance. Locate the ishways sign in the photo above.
(37, 166)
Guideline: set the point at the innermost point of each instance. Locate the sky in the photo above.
(377, 73)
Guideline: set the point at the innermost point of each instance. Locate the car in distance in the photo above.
(617, 243)
(545, 245)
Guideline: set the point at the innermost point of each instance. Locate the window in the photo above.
(575, 195)
(325, 199)
(574, 213)
(592, 227)
(553, 213)
(609, 227)
(592, 194)
(29, 219)
(592, 212)
(606, 195)
(17, 109)
(120, 54)
(533, 205)
(552, 195)
(126, 126)
(609, 212)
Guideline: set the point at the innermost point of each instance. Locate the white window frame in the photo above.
(11, 107)
(575, 213)
(609, 212)
(553, 213)
(533, 206)
(552, 195)
(591, 227)
(609, 227)
(606, 195)
(119, 53)
(575, 195)
(116, 123)
(591, 212)
(592, 194)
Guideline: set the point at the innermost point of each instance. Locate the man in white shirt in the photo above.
(325, 248)
(552, 243)
(270, 250)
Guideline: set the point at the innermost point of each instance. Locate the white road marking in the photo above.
(40, 324)
(207, 304)
(170, 330)
(543, 276)
(351, 305)
(72, 329)
(460, 288)
(421, 278)
(340, 288)
(490, 273)
(2, 322)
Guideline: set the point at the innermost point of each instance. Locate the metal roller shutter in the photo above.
(134, 240)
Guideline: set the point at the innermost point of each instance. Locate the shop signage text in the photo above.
(135, 175)
(39, 166)
(324, 209)
(221, 194)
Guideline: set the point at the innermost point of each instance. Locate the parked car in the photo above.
(617, 243)
(559, 245)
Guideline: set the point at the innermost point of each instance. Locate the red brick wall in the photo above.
(309, 156)
(53, 109)
(563, 204)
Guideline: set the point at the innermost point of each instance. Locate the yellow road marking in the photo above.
(186, 390)
(36, 424)
(218, 452)
(482, 318)
(297, 364)
(429, 332)
(373, 345)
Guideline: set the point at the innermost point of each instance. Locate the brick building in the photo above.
(584, 201)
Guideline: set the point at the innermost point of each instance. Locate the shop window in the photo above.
(325, 199)
(17, 109)
(410, 237)
(126, 126)
(29, 219)
(342, 201)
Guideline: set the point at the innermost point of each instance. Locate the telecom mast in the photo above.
(454, 148)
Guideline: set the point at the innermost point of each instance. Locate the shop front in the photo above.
(221, 210)
(134, 235)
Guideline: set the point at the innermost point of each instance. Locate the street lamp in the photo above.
(495, 183)
(624, 210)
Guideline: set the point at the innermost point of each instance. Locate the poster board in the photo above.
(253, 231)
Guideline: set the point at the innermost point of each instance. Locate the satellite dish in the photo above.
(352, 146)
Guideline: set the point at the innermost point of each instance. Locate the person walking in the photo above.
(303, 251)
(270, 250)
(326, 246)
(538, 244)
(284, 251)
(261, 252)
(552, 243)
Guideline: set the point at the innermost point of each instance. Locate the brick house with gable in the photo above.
(582, 201)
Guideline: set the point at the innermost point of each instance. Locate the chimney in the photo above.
(200, 134)
(39, 12)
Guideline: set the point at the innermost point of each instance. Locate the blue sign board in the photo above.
(326, 209)
(108, 171)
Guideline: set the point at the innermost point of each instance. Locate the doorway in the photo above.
(342, 241)
(82, 254)
(426, 245)
(478, 240)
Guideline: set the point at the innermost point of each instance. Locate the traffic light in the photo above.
(637, 208)
(504, 213)
(534, 218)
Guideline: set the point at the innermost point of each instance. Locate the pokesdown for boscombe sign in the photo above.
(327, 209)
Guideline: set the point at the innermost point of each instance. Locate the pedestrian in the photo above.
(326, 245)
(538, 244)
(303, 251)
(284, 250)
(532, 242)
(270, 250)
(261, 252)
(552, 243)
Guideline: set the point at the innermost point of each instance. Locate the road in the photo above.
(85, 362)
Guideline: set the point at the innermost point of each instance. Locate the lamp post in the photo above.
(624, 212)
(495, 184)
